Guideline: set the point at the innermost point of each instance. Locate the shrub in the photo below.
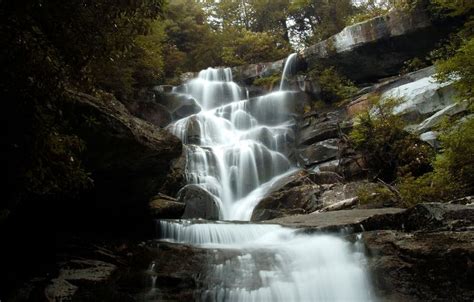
(460, 69)
(389, 150)
(334, 86)
(453, 174)
(376, 195)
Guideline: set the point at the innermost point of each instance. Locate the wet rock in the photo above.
(128, 159)
(179, 105)
(78, 276)
(319, 127)
(152, 112)
(199, 203)
(193, 131)
(427, 266)
(334, 221)
(162, 206)
(318, 152)
(60, 290)
(294, 194)
(188, 107)
(176, 178)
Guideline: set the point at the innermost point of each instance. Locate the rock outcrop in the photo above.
(129, 158)
(162, 206)
(293, 194)
(199, 203)
(365, 51)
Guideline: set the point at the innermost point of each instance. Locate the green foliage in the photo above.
(369, 9)
(376, 195)
(316, 20)
(246, 47)
(334, 86)
(389, 150)
(453, 173)
(460, 69)
(54, 46)
(413, 65)
(268, 82)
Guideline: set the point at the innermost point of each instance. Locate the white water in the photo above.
(235, 145)
(236, 149)
(273, 263)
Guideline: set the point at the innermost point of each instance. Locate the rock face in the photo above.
(319, 152)
(151, 112)
(162, 206)
(199, 203)
(421, 98)
(424, 255)
(294, 194)
(128, 157)
(365, 51)
(378, 47)
(178, 105)
(421, 266)
(176, 178)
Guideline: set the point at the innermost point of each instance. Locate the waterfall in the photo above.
(236, 148)
(289, 63)
(274, 263)
(235, 145)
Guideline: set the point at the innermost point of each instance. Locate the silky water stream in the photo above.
(236, 148)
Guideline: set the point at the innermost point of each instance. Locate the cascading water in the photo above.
(236, 149)
(235, 145)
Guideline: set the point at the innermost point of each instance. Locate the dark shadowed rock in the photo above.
(425, 266)
(76, 275)
(318, 127)
(294, 194)
(199, 203)
(325, 177)
(318, 152)
(162, 206)
(179, 105)
(152, 112)
(128, 158)
(176, 178)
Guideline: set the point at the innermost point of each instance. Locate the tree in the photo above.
(315, 20)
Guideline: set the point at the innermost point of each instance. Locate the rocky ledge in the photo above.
(128, 158)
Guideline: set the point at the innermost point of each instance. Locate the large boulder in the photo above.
(292, 194)
(128, 159)
(421, 98)
(151, 112)
(176, 178)
(199, 203)
(163, 206)
(317, 127)
(179, 105)
(423, 266)
(319, 152)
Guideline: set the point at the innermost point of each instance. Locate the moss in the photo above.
(267, 82)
